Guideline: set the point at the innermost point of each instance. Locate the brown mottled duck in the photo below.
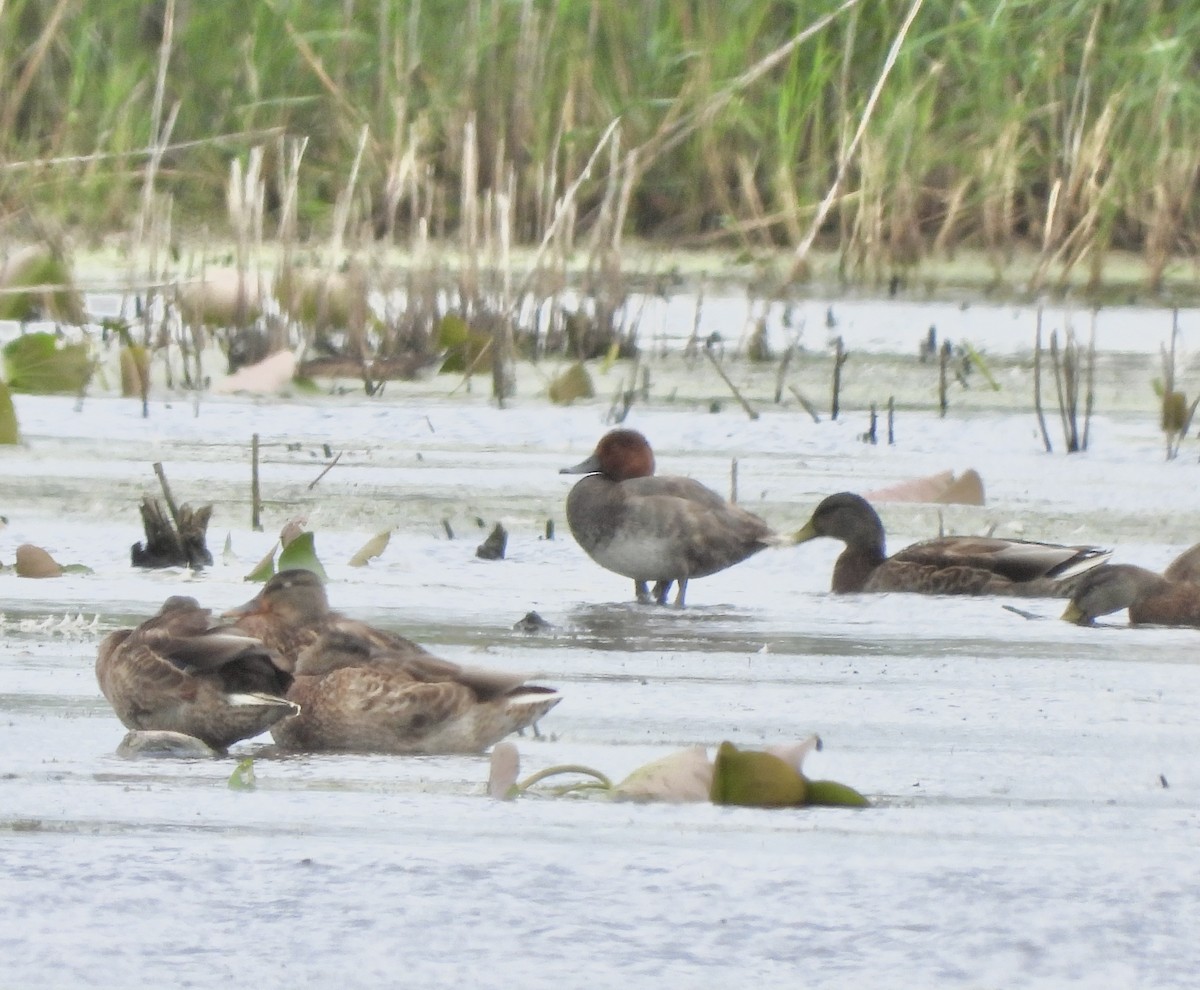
(176, 672)
(948, 565)
(1150, 598)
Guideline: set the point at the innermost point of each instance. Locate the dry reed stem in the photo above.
(256, 134)
(800, 256)
(1037, 385)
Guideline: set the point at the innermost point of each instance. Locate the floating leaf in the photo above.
(301, 553)
(686, 775)
(265, 567)
(35, 363)
(8, 417)
(135, 371)
(1174, 412)
(756, 779)
(832, 794)
(574, 383)
(51, 291)
(371, 549)
(463, 345)
(242, 778)
(34, 562)
(227, 552)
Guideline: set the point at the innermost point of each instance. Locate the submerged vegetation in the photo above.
(1063, 128)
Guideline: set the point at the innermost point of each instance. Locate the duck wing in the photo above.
(1015, 560)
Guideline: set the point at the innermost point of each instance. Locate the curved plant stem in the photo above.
(562, 768)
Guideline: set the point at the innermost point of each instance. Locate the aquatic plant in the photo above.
(771, 778)
(891, 132)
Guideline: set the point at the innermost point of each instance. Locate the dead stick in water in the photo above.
(891, 420)
(839, 358)
(171, 506)
(1037, 386)
(733, 481)
(733, 388)
(328, 467)
(808, 406)
(255, 494)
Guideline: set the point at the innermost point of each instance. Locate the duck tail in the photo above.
(1086, 559)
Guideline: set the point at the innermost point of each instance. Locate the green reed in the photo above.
(1068, 128)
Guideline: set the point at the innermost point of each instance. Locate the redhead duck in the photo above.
(1151, 598)
(355, 697)
(660, 529)
(949, 565)
(177, 673)
(292, 611)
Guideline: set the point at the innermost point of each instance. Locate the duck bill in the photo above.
(590, 466)
(1073, 613)
(805, 533)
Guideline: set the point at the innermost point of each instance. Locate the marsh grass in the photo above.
(1066, 128)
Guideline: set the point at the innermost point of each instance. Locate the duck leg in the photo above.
(681, 592)
(642, 592)
(661, 590)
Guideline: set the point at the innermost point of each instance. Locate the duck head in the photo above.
(846, 517)
(619, 456)
(1109, 588)
(291, 597)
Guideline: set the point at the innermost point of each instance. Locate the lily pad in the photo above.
(755, 779)
(574, 383)
(462, 345)
(242, 778)
(50, 291)
(371, 549)
(34, 562)
(38, 363)
(302, 553)
(682, 776)
(832, 794)
(8, 418)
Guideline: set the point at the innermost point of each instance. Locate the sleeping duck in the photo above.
(355, 697)
(948, 565)
(663, 529)
(176, 672)
(1151, 598)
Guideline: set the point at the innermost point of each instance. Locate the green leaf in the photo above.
(35, 363)
(574, 383)
(265, 567)
(242, 778)
(301, 553)
(833, 794)
(8, 417)
(755, 779)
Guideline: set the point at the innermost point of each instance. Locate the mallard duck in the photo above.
(948, 565)
(176, 672)
(355, 697)
(1150, 597)
(292, 611)
(1185, 567)
(654, 528)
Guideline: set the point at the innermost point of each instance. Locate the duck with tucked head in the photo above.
(948, 565)
(355, 697)
(177, 672)
(655, 528)
(1150, 598)
(292, 612)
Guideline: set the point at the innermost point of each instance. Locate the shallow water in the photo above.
(1035, 784)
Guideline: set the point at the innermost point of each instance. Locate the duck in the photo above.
(1151, 598)
(948, 565)
(1185, 567)
(357, 697)
(648, 527)
(292, 612)
(178, 672)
